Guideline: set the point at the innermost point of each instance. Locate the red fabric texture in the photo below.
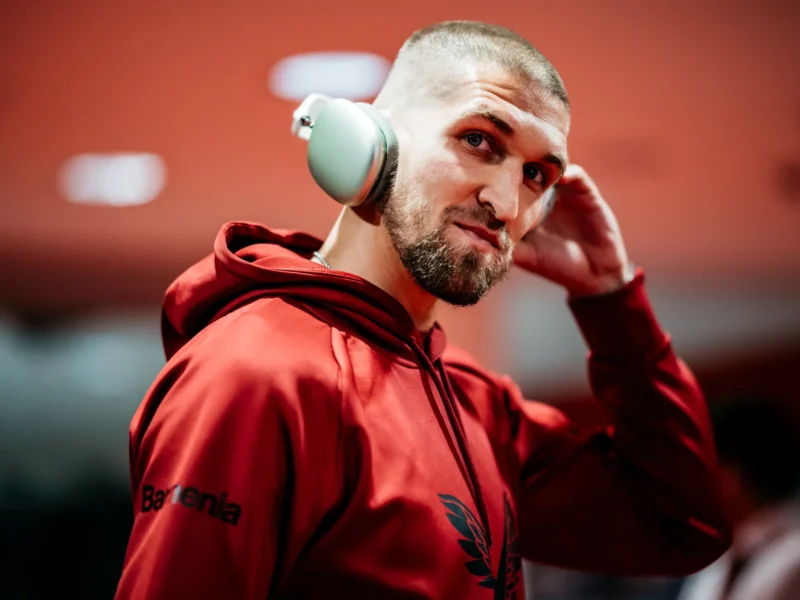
(303, 440)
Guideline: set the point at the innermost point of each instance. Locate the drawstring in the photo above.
(445, 391)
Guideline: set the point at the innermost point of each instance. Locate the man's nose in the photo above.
(500, 196)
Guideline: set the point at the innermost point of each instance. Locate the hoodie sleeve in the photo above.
(220, 511)
(640, 496)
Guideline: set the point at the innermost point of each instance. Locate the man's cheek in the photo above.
(527, 221)
(517, 231)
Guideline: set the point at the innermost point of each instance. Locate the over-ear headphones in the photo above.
(352, 148)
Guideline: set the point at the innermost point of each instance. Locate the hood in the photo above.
(250, 261)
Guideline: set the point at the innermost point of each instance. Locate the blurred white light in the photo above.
(351, 75)
(121, 179)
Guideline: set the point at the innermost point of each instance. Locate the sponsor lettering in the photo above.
(217, 507)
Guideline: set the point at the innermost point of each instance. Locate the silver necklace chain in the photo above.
(321, 259)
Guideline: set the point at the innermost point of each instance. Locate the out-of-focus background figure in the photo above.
(758, 445)
(129, 132)
(758, 440)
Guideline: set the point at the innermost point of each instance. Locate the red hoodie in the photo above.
(304, 441)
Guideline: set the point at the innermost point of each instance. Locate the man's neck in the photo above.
(356, 245)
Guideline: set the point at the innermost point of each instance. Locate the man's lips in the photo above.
(481, 232)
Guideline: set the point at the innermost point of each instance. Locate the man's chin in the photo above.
(460, 299)
(452, 271)
(467, 294)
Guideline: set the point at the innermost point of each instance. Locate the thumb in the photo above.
(541, 251)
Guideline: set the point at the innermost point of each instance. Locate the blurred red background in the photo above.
(687, 114)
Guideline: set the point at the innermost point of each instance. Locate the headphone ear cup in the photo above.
(548, 201)
(390, 145)
(347, 152)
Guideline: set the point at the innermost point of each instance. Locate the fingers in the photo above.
(577, 180)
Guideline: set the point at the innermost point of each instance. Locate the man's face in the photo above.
(471, 178)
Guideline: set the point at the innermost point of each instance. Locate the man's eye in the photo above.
(534, 173)
(475, 139)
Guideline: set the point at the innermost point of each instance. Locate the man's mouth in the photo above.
(480, 233)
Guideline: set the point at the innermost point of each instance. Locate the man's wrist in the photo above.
(605, 285)
(621, 324)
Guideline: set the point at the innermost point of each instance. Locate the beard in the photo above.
(452, 271)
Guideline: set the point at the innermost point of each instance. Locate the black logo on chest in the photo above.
(504, 581)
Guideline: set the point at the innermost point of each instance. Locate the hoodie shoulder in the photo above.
(266, 357)
(269, 339)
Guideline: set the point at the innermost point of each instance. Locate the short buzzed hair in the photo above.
(449, 44)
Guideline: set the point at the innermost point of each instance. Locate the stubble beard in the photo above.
(454, 272)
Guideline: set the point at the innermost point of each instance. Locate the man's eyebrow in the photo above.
(504, 127)
(559, 161)
(487, 115)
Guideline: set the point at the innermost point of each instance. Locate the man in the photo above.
(312, 434)
(757, 440)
